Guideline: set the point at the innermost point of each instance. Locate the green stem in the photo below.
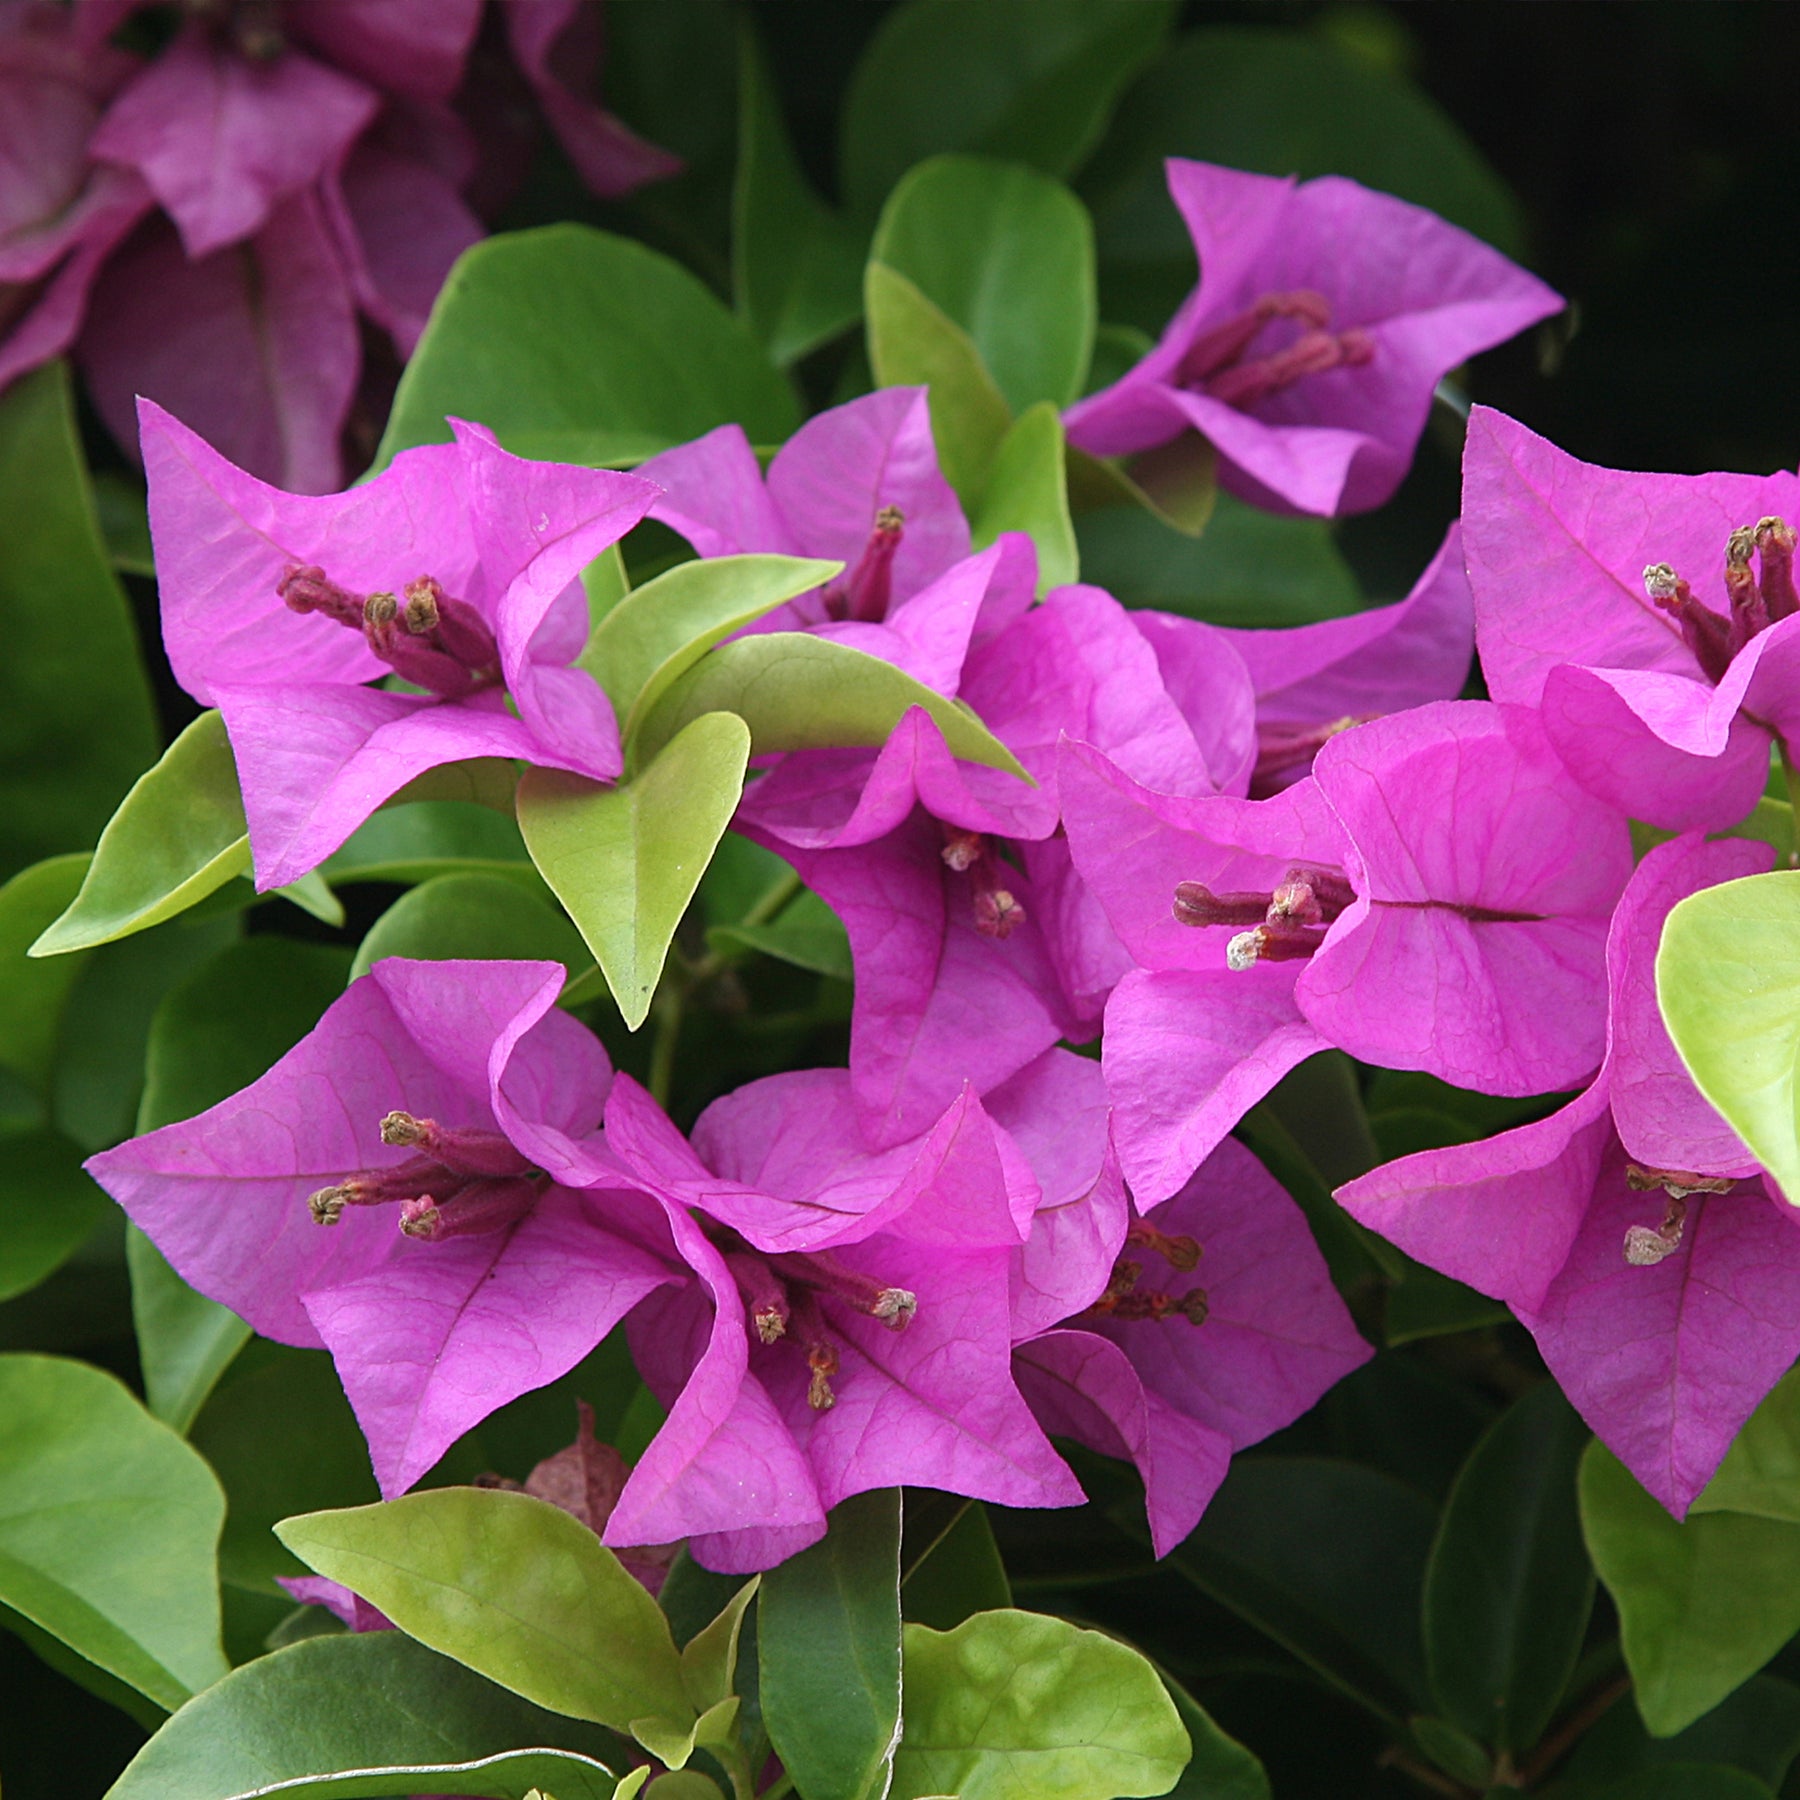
(670, 1003)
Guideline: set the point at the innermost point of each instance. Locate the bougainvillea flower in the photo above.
(1629, 1230)
(859, 484)
(1341, 911)
(1628, 608)
(59, 215)
(975, 948)
(1325, 316)
(455, 568)
(382, 1193)
(1312, 681)
(879, 1350)
(1219, 1325)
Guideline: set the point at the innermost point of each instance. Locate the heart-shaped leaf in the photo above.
(626, 860)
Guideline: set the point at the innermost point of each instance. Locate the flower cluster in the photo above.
(205, 224)
(1233, 849)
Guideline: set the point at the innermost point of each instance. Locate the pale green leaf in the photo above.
(1027, 491)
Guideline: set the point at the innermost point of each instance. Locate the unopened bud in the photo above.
(889, 518)
(327, 1205)
(420, 1218)
(402, 1131)
(421, 613)
(1661, 582)
(997, 913)
(895, 1307)
(379, 610)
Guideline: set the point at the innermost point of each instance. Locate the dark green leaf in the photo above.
(1756, 1729)
(798, 692)
(806, 933)
(78, 724)
(1220, 1768)
(340, 1717)
(1008, 255)
(48, 1206)
(1683, 1781)
(1509, 1587)
(473, 916)
(511, 1586)
(913, 341)
(796, 265)
(107, 1527)
(958, 1573)
(33, 991)
(1013, 1703)
(578, 346)
(626, 860)
(1034, 80)
(421, 839)
(828, 1643)
(1328, 1559)
(1423, 1304)
(1702, 1605)
(1250, 568)
(185, 1341)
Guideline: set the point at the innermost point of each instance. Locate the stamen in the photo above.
(1219, 348)
(1312, 353)
(1182, 1253)
(1644, 1248)
(962, 849)
(763, 1294)
(821, 1272)
(305, 588)
(1702, 630)
(823, 1361)
(478, 1207)
(863, 591)
(1678, 1184)
(468, 1150)
(1268, 943)
(418, 1175)
(326, 1206)
(1285, 751)
(997, 912)
(1748, 613)
(1197, 904)
(1775, 550)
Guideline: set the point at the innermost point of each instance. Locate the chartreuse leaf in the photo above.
(476, 917)
(108, 1524)
(828, 1648)
(177, 836)
(49, 1206)
(796, 266)
(625, 860)
(1033, 80)
(1007, 254)
(33, 993)
(1728, 979)
(659, 631)
(1220, 1767)
(1702, 1604)
(1509, 1587)
(798, 692)
(913, 341)
(1028, 491)
(364, 1716)
(1328, 1559)
(578, 346)
(1013, 1703)
(709, 1657)
(1761, 1470)
(605, 582)
(511, 1586)
(76, 718)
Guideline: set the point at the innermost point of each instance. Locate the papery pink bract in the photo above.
(1665, 1351)
(1377, 298)
(1178, 1397)
(316, 749)
(428, 1336)
(1559, 551)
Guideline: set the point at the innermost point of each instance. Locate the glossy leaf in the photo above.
(1249, 568)
(1328, 1559)
(1008, 255)
(1761, 1470)
(1728, 980)
(797, 692)
(365, 1716)
(1034, 80)
(1028, 491)
(913, 341)
(474, 917)
(1015, 1703)
(418, 840)
(956, 1574)
(626, 860)
(806, 933)
(185, 1341)
(796, 265)
(511, 1586)
(108, 1523)
(574, 345)
(77, 724)
(177, 836)
(709, 1657)
(1509, 1587)
(659, 631)
(1702, 1605)
(33, 992)
(49, 1206)
(1220, 1767)
(828, 1648)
